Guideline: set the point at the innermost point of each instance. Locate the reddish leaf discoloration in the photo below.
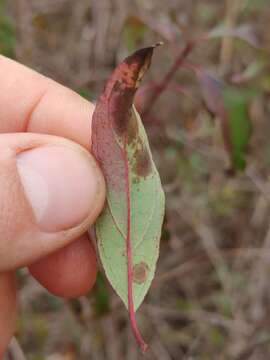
(113, 114)
(122, 99)
(106, 149)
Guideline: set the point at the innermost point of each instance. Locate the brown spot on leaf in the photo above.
(140, 272)
(143, 164)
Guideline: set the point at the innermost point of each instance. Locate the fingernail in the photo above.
(61, 184)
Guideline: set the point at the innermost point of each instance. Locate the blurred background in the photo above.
(206, 107)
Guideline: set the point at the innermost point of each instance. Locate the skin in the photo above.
(65, 264)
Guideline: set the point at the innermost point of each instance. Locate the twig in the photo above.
(210, 152)
(258, 181)
(209, 242)
(111, 338)
(202, 260)
(246, 353)
(201, 316)
(167, 78)
(226, 52)
(160, 350)
(260, 281)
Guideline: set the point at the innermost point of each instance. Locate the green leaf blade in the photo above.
(239, 125)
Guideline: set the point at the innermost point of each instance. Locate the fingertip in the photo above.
(40, 105)
(52, 191)
(69, 272)
(62, 112)
(7, 309)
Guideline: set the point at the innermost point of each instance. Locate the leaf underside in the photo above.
(128, 230)
(230, 105)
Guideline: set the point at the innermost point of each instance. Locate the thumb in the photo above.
(51, 191)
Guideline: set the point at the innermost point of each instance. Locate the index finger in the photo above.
(32, 102)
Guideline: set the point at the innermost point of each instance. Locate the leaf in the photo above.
(230, 106)
(101, 296)
(212, 93)
(129, 228)
(239, 125)
(243, 32)
(252, 71)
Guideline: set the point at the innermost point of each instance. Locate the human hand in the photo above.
(51, 189)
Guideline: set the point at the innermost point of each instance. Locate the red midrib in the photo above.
(131, 312)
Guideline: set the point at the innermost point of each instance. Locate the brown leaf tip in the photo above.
(140, 272)
(140, 60)
(123, 84)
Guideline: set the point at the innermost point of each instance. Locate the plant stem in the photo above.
(232, 12)
(167, 78)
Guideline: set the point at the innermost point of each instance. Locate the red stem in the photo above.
(167, 78)
(131, 311)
